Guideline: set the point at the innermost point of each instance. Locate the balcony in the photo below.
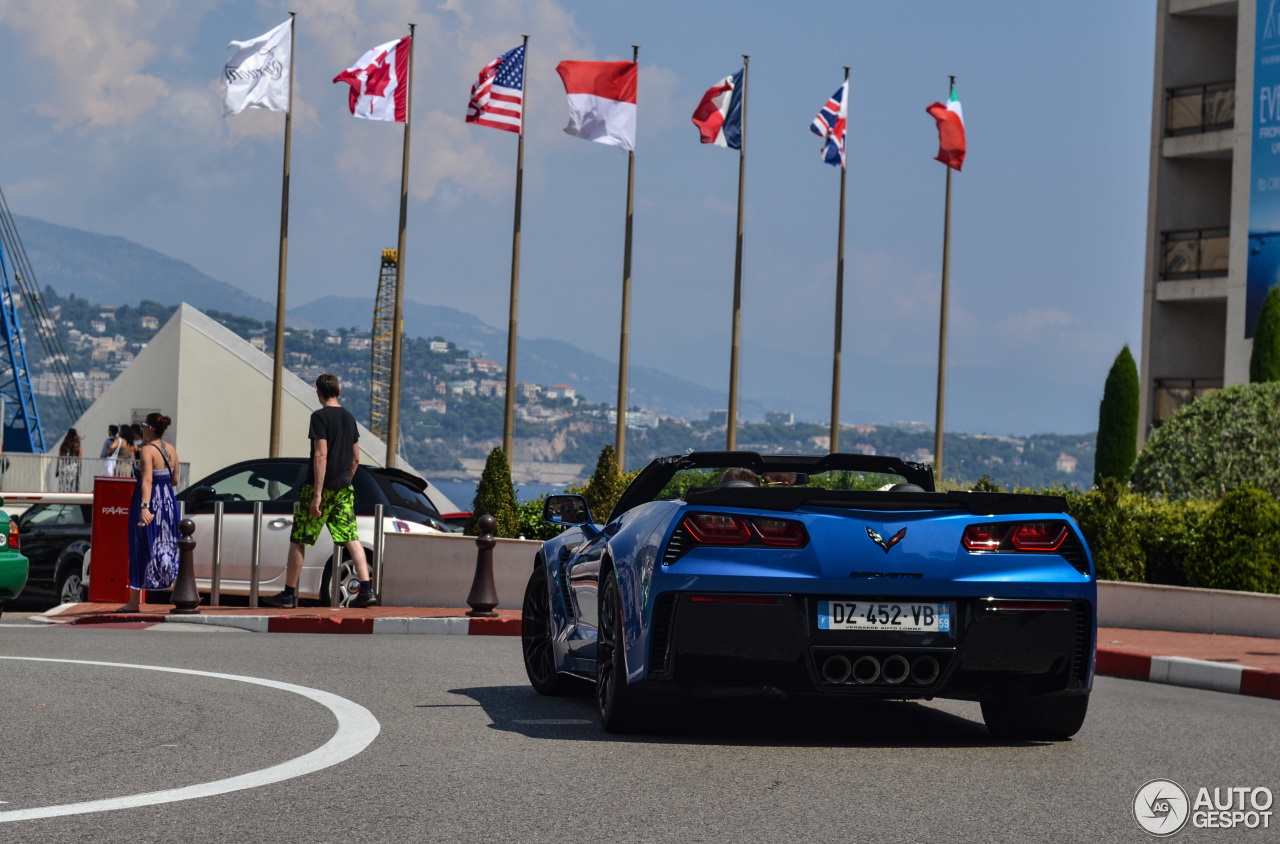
(1199, 121)
(1175, 393)
(1196, 109)
(1194, 253)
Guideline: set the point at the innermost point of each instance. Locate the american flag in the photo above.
(830, 125)
(497, 98)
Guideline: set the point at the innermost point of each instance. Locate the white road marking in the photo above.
(357, 728)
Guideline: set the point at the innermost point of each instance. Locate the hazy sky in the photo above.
(113, 124)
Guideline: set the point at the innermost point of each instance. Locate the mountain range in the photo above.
(111, 270)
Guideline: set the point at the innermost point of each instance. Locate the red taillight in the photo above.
(779, 532)
(983, 537)
(718, 529)
(15, 542)
(1039, 536)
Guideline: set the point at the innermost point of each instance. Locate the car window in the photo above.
(50, 515)
(709, 478)
(412, 496)
(263, 482)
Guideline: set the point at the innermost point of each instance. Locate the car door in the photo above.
(39, 537)
(272, 482)
(583, 570)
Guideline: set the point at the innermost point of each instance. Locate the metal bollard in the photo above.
(186, 598)
(484, 594)
(379, 542)
(215, 588)
(255, 555)
(335, 583)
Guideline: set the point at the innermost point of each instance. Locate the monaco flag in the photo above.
(602, 101)
(950, 131)
(719, 115)
(379, 82)
(257, 75)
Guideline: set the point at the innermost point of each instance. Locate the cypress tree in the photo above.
(1264, 363)
(495, 496)
(606, 485)
(1118, 421)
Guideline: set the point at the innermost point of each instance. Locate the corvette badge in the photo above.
(890, 542)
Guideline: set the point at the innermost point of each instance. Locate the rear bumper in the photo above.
(772, 644)
(13, 574)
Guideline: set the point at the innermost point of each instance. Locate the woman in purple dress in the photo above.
(153, 514)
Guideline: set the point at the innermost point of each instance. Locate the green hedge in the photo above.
(1216, 444)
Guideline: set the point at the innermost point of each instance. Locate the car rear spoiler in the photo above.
(793, 498)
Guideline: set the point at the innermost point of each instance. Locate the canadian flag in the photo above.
(379, 82)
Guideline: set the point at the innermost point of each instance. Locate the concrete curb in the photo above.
(1193, 673)
(458, 626)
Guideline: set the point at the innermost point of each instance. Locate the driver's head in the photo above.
(739, 477)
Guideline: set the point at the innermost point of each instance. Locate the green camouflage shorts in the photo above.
(337, 510)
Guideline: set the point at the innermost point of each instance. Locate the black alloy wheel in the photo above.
(71, 585)
(535, 640)
(618, 704)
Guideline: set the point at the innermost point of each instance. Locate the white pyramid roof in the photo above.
(217, 389)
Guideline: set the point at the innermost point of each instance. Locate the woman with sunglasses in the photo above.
(153, 515)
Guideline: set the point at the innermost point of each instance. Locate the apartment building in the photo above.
(1213, 219)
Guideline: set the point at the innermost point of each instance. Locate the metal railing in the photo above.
(1175, 393)
(1194, 253)
(1193, 109)
(50, 473)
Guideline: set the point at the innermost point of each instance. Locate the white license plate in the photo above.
(904, 618)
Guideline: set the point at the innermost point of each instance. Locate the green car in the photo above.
(13, 566)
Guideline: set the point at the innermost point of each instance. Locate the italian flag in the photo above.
(950, 131)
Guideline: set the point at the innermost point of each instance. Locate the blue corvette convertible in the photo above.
(723, 573)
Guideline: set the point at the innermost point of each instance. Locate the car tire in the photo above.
(1055, 718)
(71, 589)
(346, 571)
(536, 642)
(621, 706)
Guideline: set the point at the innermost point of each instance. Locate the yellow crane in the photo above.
(383, 330)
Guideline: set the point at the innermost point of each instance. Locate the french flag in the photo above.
(719, 115)
(602, 101)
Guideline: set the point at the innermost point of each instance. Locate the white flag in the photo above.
(257, 76)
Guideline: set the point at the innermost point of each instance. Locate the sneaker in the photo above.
(365, 599)
(280, 601)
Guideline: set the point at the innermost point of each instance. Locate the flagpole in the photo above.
(839, 333)
(731, 440)
(277, 365)
(397, 328)
(942, 327)
(509, 407)
(620, 435)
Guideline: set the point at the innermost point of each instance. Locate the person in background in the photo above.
(108, 445)
(327, 497)
(111, 450)
(153, 515)
(68, 466)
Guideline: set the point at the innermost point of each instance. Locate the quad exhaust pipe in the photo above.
(895, 669)
(836, 669)
(866, 669)
(924, 670)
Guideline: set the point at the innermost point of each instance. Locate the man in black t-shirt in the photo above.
(327, 498)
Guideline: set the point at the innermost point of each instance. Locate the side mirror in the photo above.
(566, 511)
(201, 497)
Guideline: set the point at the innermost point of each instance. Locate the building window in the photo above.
(1175, 393)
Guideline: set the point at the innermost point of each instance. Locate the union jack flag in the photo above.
(830, 125)
(497, 98)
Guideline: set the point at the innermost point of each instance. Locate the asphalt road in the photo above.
(468, 752)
